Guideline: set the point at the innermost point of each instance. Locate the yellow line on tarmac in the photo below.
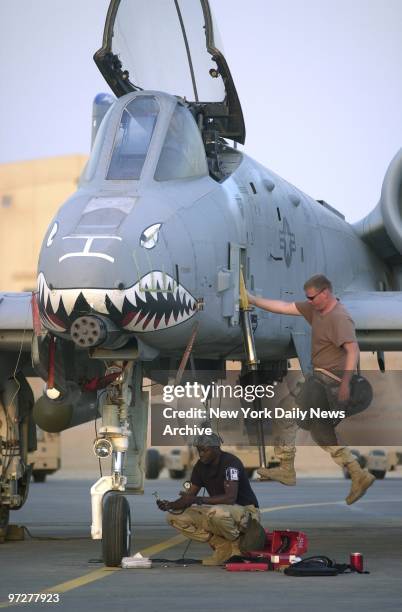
(332, 503)
(152, 550)
(102, 572)
(291, 506)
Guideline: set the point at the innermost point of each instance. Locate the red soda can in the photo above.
(356, 561)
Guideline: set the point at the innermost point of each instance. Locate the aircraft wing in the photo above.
(15, 320)
(378, 318)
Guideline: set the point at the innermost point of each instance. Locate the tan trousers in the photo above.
(200, 523)
(284, 436)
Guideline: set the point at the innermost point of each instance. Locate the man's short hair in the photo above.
(318, 281)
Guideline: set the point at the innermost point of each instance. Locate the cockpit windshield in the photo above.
(132, 139)
(183, 153)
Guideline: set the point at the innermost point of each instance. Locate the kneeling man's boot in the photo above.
(223, 550)
(285, 473)
(361, 481)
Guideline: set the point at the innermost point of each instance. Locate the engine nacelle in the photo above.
(382, 228)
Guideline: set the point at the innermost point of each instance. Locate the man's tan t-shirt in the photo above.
(329, 332)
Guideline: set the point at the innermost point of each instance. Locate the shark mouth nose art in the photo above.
(155, 302)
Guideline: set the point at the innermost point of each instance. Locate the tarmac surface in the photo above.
(59, 557)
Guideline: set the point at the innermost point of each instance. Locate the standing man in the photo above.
(228, 518)
(335, 355)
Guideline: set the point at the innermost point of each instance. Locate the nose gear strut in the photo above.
(122, 435)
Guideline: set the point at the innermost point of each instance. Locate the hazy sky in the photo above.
(320, 82)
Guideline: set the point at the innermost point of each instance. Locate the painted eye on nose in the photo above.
(150, 235)
(52, 234)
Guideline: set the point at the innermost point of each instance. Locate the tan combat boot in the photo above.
(222, 551)
(285, 473)
(361, 481)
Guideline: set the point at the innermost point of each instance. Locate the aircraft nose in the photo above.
(104, 242)
(126, 274)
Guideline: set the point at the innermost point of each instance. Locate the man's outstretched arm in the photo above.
(277, 306)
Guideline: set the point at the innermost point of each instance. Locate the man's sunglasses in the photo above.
(312, 297)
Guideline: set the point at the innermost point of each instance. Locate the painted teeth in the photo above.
(69, 299)
(117, 299)
(157, 300)
(131, 296)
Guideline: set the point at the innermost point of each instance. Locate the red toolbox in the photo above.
(280, 550)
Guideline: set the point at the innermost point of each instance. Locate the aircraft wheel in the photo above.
(152, 463)
(176, 474)
(39, 476)
(116, 530)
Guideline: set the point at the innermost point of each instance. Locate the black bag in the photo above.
(315, 393)
(361, 394)
(319, 566)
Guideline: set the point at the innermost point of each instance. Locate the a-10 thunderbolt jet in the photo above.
(143, 261)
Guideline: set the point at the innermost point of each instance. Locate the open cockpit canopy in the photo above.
(172, 46)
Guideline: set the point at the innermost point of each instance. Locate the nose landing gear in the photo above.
(111, 520)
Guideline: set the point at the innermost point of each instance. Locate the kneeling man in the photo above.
(228, 518)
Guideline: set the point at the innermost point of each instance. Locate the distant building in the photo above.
(30, 194)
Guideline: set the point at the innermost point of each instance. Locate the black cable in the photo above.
(186, 548)
(180, 561)
(234, 348)
(45, 538)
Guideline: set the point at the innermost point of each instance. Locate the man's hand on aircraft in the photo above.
(251, 298)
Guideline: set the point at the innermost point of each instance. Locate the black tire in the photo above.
(152, 463)
(39, 476)
(249, 472)
(379, 474)
(116, 530)
(176, 474)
